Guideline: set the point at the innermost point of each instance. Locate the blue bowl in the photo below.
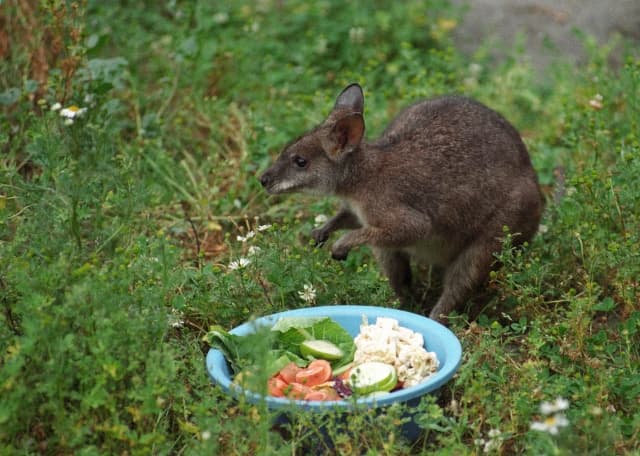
(437, 338)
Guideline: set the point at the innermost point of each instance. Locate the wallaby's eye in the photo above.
(299, 161)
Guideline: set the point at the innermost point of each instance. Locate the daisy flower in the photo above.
(308, 294)
(176, 319)
(596, 102)
(320, 219)
(551, 424)
(240, 263)
(71, 113)
(559, 405)
(249, 235)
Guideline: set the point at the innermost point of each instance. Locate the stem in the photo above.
(8, 312)
(75, 226)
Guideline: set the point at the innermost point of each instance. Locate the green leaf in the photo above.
(292, 331)
(606, 305)
(10, 96)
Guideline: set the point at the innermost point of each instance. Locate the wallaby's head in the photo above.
(314, 162)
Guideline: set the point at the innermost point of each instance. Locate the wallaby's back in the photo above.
(463, 163)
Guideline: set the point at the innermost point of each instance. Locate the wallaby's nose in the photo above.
(265, 179)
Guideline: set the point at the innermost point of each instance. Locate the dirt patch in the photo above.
(549, 27)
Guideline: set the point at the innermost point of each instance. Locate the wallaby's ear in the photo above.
(351, 99)
(345, 135)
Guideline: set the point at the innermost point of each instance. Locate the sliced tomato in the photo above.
(319, 395)
(288, 372)
(323, 394)
(318, 371)
(276, 386)
(345, 375)
(296, 390)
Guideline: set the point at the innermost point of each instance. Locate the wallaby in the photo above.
(439, 186)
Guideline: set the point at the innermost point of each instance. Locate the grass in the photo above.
(117, 232)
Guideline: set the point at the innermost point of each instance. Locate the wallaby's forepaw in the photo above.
(319, 236)
(339, 252)
(437, 314)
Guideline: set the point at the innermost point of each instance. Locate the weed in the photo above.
(131, 220)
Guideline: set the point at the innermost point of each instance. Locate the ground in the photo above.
(548, 25)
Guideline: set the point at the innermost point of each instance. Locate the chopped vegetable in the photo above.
(297, 391)
(390, 343)
(276, 386)
(321, 349)
(373, 376)
(288, 372)
(341, 388)
(318, 372)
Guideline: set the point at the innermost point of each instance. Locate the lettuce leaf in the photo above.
(270, 349)
(292, 331)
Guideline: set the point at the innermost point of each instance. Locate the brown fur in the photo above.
(438, 186)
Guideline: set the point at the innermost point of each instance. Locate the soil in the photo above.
(549, 27)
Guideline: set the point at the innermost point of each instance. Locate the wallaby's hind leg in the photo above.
(397, 267)
(463, 275)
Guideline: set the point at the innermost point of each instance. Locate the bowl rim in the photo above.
(215, 360)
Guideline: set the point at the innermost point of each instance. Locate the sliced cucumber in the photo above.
(377, 394)
(373, 376)
(321, 349)
(342, 369)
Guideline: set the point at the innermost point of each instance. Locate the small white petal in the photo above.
(538, 426)
(320, 219)
(239, 263)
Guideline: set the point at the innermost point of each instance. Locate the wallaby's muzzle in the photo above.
(265, 179)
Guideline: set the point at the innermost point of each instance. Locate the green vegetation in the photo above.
(130, 229)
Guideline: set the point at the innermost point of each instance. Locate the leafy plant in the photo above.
(131, 221)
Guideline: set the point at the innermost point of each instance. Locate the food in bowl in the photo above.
(315, 359)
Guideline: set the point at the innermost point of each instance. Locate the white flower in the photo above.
(72, 112)
(206, 435)
(221, 18)
(475, 69)
(56, 106)
(320, 219)
(263, 227)
(254, 27)
(254, 250)
(249, 235)
(308, 295)
(321, 46)
(550, 424)
(356, 34)
(560, 404)
(240, 263)
(492, 443)
(596, 102)
(176, 319)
